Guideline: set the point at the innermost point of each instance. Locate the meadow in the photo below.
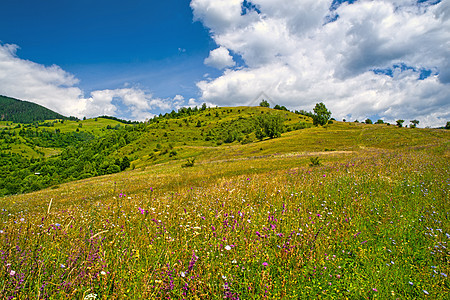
(257, 221)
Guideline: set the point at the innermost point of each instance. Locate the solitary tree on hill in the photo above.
(414, 123)
(400, 123)
(264, 103)
(321, 114)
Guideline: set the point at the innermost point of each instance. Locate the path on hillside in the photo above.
(278, 155)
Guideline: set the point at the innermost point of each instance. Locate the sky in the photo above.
(374, 59)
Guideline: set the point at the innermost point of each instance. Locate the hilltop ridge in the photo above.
(20, 111)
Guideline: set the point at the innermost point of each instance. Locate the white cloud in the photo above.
(220, 58)
(56, 89)
(297, 58)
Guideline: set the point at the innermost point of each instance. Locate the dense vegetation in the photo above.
(338, 211)
(41, 154)
(19, 111)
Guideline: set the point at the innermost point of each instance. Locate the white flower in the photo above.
(227, 247)
(234, 261)
(103, 272)
(183, 274)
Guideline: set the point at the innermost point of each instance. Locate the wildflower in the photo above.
(227, 247)
(375, 290)
(12, 273)
(265, 264)
(22, 220)
(234, 261)
(90, 296)
(425, 292)
(103, 272)
(63, 266)
(224, 277)
(192, 262)
(410, 282)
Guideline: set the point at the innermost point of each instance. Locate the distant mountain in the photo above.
(20, 111)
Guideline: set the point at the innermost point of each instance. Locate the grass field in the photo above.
(252, 221)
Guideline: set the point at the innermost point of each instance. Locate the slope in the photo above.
(19, 111)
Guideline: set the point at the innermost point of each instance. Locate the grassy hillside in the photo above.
(38, 155)
(25, 112)
(249, 220)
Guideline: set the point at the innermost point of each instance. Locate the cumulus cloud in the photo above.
(57, 89)
(362, 58)
(220, 58)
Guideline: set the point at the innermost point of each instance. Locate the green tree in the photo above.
(124, 163)
(369, 121)
(280, 107)
(379, 121)
(269, 126)
(321, 114)
(414, 123)
(400, 123)
(447, 126)
(264, 103)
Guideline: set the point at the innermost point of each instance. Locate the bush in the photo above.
(189, 163)
(303, 125)
(315, 161)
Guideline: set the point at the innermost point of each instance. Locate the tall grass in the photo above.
(371, 223)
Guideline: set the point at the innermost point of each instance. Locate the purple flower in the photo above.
(265, 264)
(192, 262)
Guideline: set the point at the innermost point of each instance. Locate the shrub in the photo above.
(189, 163)
(315, 161)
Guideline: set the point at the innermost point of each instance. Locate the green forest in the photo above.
(19, 111)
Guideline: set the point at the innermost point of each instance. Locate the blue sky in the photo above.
(108, 43)
(133, 59)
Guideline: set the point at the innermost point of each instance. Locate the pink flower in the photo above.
(12, 273)
(375, 290)
(265, 264)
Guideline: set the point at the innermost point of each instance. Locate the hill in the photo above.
(38, 155)
(345, 210)
(19, 111)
